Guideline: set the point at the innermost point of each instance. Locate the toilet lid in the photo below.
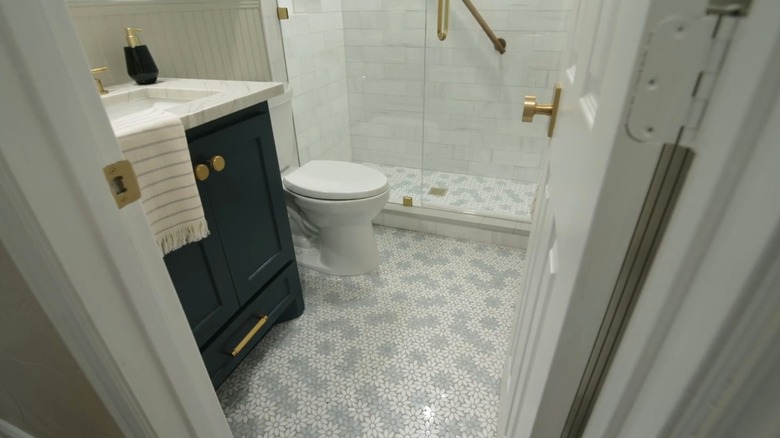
(337, 180)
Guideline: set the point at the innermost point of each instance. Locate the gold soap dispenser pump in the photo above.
(140, 64)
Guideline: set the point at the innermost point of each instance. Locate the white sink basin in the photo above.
(123, 103)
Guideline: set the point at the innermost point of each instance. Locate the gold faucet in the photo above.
(95, 72)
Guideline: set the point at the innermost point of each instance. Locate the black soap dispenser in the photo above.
(140, 64)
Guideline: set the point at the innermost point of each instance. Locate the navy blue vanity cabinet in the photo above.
(244, 273)
(201, 276)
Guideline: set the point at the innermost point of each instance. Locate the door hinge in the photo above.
(736, 8)
(682, 60)
(283, 13)
(122, 182)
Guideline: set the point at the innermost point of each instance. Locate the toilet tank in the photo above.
(284, 130)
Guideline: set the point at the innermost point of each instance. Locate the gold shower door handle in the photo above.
(443, 20)
(531, 108)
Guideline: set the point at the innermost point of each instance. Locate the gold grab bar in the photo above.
(443, 20)
(498, 43)
(443, 24)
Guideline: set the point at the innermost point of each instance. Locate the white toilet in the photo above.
(330, 203)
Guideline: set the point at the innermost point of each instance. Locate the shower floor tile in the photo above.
(473, 193)
(415, 349)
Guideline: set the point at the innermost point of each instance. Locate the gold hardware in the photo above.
(531, 108)
(122, 182)
(98, 82)
(498, 43)
(283, 13)
(408, 201)
(443, 20)
(202, 172)
(132, 38)
(249, 336)
(437, 191)
(217, 162)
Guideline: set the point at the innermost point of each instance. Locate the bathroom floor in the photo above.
(475, 193)
(415, 349)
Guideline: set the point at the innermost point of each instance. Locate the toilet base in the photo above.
(351, 250)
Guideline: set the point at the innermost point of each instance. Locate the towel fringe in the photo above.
(185, 233)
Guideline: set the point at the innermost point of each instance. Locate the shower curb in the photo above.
(467, 226)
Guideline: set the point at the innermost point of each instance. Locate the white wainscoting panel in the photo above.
(204, 40)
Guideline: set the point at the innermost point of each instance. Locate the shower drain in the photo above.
(437, 191)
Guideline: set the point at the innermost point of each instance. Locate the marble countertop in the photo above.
(195, 101)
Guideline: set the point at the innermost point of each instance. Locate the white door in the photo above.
(591, 194)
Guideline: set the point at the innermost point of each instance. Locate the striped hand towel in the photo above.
(154, 142)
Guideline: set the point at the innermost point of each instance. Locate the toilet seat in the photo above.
(336, 180)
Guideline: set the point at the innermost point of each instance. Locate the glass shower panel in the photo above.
(385, 50)
(477, 155)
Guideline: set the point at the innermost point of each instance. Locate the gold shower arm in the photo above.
(443, 24)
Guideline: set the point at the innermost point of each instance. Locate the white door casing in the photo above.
(95, 270)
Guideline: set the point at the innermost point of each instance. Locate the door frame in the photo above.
(704, 338)
(95, 270)
(552, 378)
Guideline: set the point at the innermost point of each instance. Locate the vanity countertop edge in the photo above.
(232, 96)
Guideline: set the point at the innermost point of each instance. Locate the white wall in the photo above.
(473, 95)
(44, 392)
(316, 68)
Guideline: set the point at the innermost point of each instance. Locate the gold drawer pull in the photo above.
(249, 336)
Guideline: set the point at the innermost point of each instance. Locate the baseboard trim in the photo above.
(504, 232)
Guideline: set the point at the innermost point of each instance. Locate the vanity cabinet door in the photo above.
(247, 201)
(202, 280)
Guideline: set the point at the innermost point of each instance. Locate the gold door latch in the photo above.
(531, 108)
(122, 182)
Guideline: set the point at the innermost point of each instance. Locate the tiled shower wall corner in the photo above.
(205, 40)
(316, 68)
(473, 96)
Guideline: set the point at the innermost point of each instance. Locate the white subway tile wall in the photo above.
(453, 105)
(316, 69)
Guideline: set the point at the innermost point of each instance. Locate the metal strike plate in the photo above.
(122, 183)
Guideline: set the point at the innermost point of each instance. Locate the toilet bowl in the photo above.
(331, 205)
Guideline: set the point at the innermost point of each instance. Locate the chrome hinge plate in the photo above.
(681, 64)
(122, 182)
(674, 56)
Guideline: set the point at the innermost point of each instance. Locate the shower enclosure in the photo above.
(421, 90)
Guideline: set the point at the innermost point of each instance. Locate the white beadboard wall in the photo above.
(203, 40)
(469, 96)
(316, 68)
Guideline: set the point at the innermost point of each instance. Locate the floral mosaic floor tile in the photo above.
(415, 349)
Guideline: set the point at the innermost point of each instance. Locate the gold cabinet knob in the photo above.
(531, 108)
(217, 163)
(202, 172)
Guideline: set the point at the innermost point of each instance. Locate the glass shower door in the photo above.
(385, 50)
(477, 155)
